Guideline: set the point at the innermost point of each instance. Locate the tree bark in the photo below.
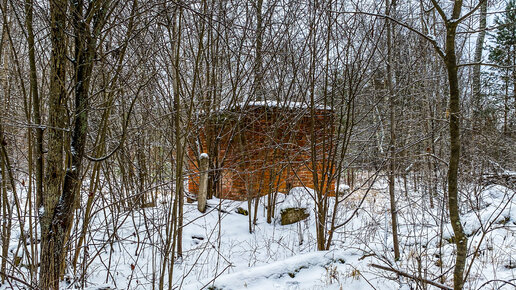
(54, 247)
(179, 139)
(450, 60)
(49, 270)
(203, 182)
(479, 47)
(461, 240)
(36, 104)
(392, 117)
(258, 67)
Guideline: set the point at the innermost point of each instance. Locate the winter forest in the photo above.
(265, 144)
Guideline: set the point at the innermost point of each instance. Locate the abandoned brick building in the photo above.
(264, 147)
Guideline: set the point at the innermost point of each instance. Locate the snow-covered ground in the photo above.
(125, 248)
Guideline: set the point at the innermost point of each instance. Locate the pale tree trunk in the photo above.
(479, 47)
(203, 182)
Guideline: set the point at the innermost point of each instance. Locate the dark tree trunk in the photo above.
(49, 271)
(38, 152)
(392, 144)
(461, 240)
(450, 60)
(56, 235)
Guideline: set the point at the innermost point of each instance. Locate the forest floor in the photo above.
(124, 250)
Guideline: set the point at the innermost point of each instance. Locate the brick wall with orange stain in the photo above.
(269, 150)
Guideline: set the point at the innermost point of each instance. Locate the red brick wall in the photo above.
(264, 150)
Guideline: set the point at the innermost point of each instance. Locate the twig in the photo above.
(214, 278)
(426, 281)
(17, 280)
(498, 280)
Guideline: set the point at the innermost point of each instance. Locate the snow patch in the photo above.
(298, 197)
(267, 276)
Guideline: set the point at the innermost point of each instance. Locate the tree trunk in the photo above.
(461, 240)
(36, 104)
(50, 269)
(450, 60)
(54, 239)
(392, 153)
(479, 46)
(5, 210)
(179, 140)
(258, 69)
(203, 182)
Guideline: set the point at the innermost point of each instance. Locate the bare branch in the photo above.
(486, 64)
(420, 279)
(405, 25)
(440, 10)
(472, 11)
